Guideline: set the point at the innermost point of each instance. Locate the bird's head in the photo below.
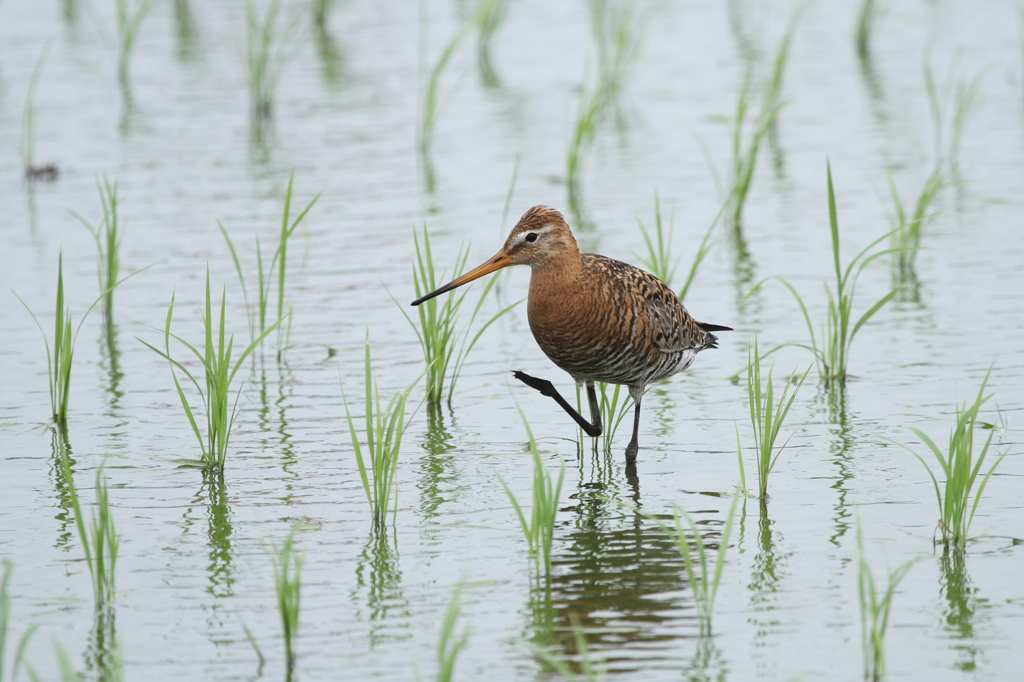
(540, 235)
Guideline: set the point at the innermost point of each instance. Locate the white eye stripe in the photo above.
(520, 238)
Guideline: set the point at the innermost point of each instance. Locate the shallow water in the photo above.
(195, 565)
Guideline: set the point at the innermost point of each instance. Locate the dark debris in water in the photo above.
(48, 173)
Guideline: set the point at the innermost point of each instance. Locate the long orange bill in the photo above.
(497, 262)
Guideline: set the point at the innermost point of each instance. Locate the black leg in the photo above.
(634, 446)
(595, 407)
(546, 388)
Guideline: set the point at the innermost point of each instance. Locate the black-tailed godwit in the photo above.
(597, 318)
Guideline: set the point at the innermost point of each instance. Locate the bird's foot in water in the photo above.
(543, 385)
(631, 451)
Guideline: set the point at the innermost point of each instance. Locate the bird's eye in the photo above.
(532, 237)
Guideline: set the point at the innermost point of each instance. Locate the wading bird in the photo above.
(597, 318)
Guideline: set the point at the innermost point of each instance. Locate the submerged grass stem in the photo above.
(703, 570)
(288, 586)
(589, 669)
(98, 534)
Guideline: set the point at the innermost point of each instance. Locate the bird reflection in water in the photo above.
(621, 577)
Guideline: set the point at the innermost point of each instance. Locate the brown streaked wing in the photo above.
(672, 328)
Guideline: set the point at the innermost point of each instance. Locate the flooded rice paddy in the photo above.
(195, 569)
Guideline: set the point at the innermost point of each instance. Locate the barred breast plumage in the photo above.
(613, 323)
(597, 318)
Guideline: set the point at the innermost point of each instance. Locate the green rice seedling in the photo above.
(744, 160)
(450, 643)
(868, 14)
(703, 571)
(65, 666)
(746, 24)
(320, 10)
(909, 226)
(332, 55)
(958, 500)
(509, 194)
(385, 426)
(589, 669)
(265, 55)
(615, 403)
(219, 370)
(588, 117)
(60, 362)
(445, 346)
(703, 575)
(767, 417)
(28, 124)
(255, 647)
(702, 252)
(489, 18)
(539, 528)
(70, 11)
(840, 327)
(745, 150)
(432, 102)
(659, 260)
(98, 535)
(288, 585)
(129, 21)
(60, 357)
(5, 624)
(258, 312)
(617, 37)
(185, 25)
(875, 607)
(961, 95)
(108, 235)
(964, 98)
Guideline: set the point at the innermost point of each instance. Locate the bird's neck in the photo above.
(554, 281)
